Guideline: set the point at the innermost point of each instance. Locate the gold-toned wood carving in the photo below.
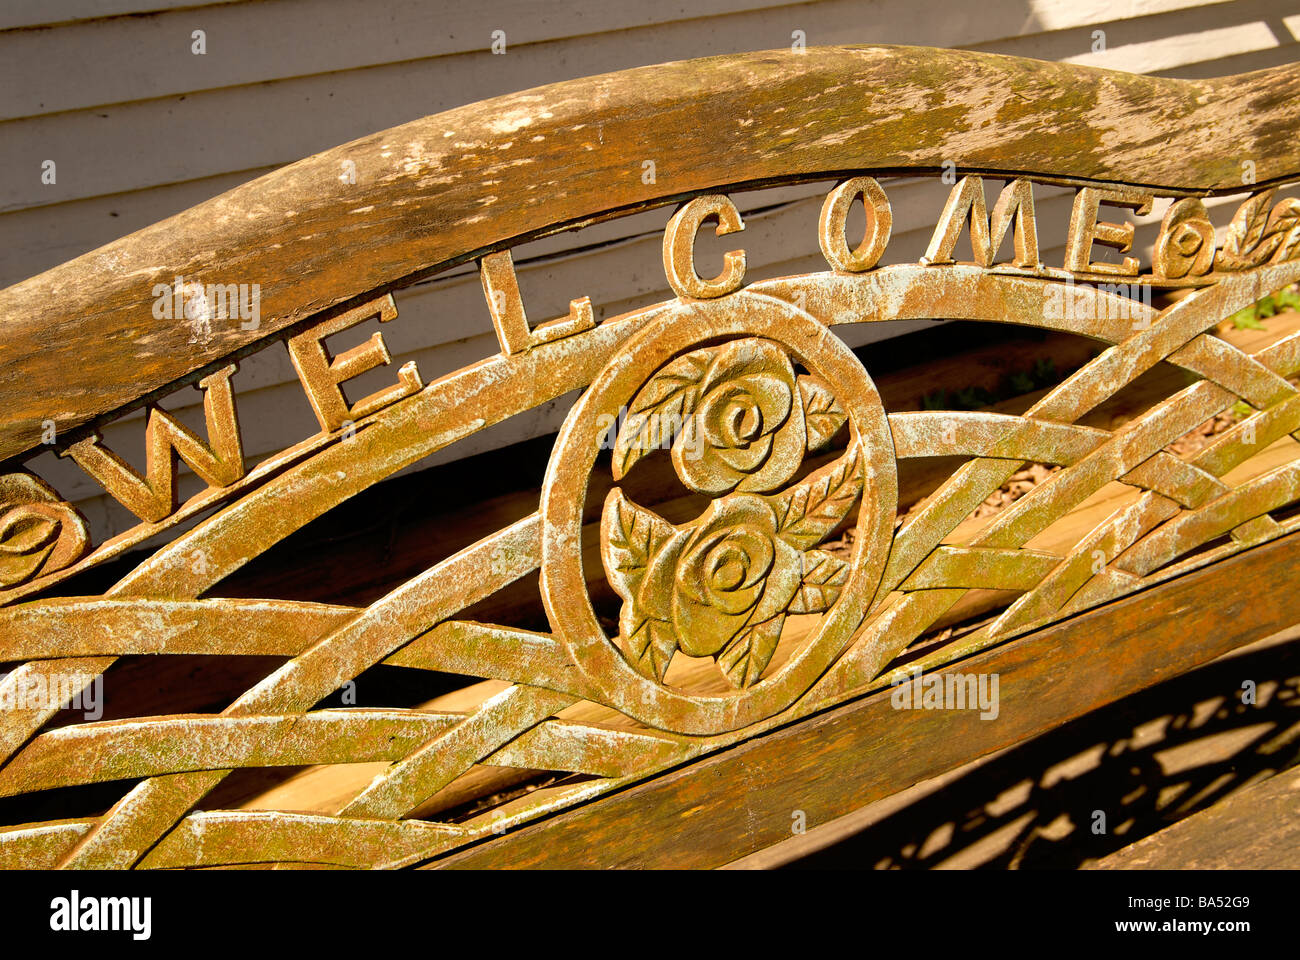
(720, 613)
(880, 222)
(39, 533)
(1086, 230)
(679, 248)
(1259, 235)
(152, 497)
(722, 584)
(323, 375)
(506, 306)
(966, 202)
(1186, 244)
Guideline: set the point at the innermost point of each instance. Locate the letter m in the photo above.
(225, 296)
(967, 202)
(153, 496)
(116, 914)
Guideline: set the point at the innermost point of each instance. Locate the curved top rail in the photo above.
(447, 188)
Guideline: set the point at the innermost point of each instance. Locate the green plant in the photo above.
(1246, 319)
(1288, 298)
(935, 401)
(972, 398)
(1021, 383)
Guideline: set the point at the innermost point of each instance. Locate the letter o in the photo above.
(679, 248)
(830, 229)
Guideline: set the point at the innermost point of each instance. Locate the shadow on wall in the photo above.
(1143, 763)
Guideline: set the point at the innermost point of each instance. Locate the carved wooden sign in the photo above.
(1262, 232)
(760, 410)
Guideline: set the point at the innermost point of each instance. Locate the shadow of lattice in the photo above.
(1143, 763)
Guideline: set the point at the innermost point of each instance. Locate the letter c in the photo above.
(679, 248)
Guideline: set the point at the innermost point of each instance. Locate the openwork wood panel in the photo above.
(731, 615)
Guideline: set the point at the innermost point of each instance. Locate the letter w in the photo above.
(153, 496)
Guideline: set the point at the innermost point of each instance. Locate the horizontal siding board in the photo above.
(260, 42)
(1241, 63)
(36, 239)
(61, 13)
(214, 131)
(1161, 42)
(152, 56)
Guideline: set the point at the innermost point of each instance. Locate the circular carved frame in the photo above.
(564, 593)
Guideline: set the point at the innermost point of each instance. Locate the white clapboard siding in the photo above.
(239, 126)
(140, 128)
(297, 38)
(43, 13)
(153, 56)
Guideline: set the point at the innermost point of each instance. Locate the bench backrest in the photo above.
(696, 621)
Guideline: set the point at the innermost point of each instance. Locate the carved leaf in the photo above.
(1284, 222)
(629, 537)
(1257, 236)
(661, 407)
(811, 509)
(823, 579)
(1247, 228)
(823, 415)
(649, 643)
(744, 659)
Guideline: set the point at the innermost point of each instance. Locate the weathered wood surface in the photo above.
(1257, 828)
(691, 602)
(560, 155)
(1147, 761)
(709, 813)
(389, 69)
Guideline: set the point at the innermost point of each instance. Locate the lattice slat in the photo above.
(714, 612)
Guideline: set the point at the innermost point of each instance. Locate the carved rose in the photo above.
(729, 571)
(38, 532)
(747, 432)
(736, 417)
(721, 585)
(1185, 246)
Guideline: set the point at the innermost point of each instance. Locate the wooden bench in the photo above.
(712, 673)
(1255, 828)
